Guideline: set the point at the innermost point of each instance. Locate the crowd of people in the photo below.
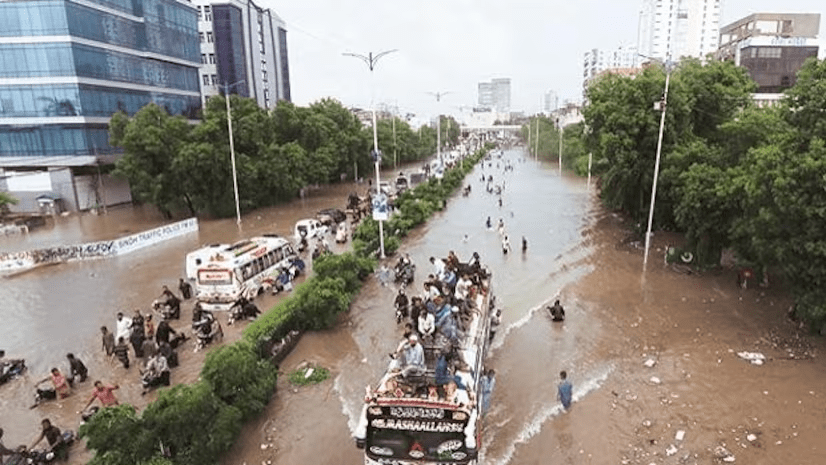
(136, 336)
(427, 361)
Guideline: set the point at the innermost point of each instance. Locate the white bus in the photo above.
(242, 269)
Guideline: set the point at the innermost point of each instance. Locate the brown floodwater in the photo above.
(624, 412)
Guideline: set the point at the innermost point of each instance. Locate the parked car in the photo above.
(330, 216)
(309, 228)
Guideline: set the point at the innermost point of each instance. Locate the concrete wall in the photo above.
(77, 192)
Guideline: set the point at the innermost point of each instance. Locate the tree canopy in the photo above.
(176, 165)
(732, 174)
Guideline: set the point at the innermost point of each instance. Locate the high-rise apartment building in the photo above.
(66, 66)
(596, 61)
(771, 46)
(496, 95)
(244, 47)
(673, 29)
(550, 102)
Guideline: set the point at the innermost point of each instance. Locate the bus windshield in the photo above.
(214, 278)
(418, 445)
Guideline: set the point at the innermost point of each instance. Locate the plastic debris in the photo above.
(756, 358)
(671, 450)
(751, 437)
(655, 380)
(650, 362)
(680, 435)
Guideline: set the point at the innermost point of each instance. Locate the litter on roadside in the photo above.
(755, 358)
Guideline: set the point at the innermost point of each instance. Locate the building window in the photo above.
(214, 79)
(209, 37)
(203, 58)
(199, 11)
(201, 35)
(212, 58)
(207, 14)
(206, 79)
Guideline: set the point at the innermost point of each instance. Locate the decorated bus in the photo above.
(242, 269)
(432, 415)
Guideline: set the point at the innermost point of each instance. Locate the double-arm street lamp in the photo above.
(370, 60)
(667, 65)
(226, 88)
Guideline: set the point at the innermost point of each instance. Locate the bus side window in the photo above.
(247, 273)
(259, 264)
(278, 255)
(267, 261)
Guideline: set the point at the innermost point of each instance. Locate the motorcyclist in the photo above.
(54, 438)
(401, 304)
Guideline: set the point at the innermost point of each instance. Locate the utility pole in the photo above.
(536, 151)
(370, 60)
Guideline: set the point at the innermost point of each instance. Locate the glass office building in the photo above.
(244, 50)
(68, 65)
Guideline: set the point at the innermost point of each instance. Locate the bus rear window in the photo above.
(214, 277)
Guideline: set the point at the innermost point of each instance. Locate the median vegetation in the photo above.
(732, 174)
(194, 424)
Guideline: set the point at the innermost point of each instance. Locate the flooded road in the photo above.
(58, 309)
(691, 327)
(623, 412)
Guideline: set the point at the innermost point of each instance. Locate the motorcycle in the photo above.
(205, 330)
(42, 395)
(166, 311)
(404, 273)
(11, 369)
(243, 309)
(43, 456)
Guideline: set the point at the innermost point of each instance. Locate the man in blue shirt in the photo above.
(564, 390)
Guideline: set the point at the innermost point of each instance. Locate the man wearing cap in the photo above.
(413, 357)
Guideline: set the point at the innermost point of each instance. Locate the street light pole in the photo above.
(439, 96)
(370, 60)
(656, 165)
(232, 152)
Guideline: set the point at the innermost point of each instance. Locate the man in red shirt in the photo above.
(104, 394)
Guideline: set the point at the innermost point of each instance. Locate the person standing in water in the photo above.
(565, 390)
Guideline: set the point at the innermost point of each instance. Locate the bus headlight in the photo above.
(386, 451)
(460, 416)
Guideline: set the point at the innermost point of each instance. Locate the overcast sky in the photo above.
(451, 45)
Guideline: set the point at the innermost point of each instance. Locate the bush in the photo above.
(239, 378)
(347, 266)
(319, 301)
(117, 435)
(193, 423)
(272, 324)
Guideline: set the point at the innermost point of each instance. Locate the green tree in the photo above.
(784, 213)
(6, 200)
(804, 103)
(151, 140)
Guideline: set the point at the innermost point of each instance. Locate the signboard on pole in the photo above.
(380, 207)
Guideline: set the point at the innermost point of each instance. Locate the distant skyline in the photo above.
(452, 45)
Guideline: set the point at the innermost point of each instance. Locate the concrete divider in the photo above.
(22, 261)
